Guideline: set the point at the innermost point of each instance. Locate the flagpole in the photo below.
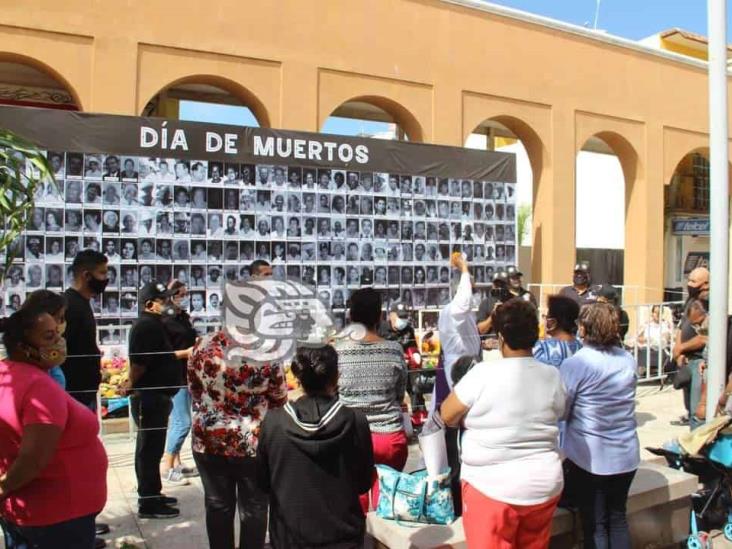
(718, 202)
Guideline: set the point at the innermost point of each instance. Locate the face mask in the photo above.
(693, 292)
(96, 285)
(400, 324)
(49, 356)
(580, 280)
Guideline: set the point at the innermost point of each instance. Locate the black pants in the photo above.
(150, 411)
(229, 482)
(452, 435)
(601, 500)
(415, 397)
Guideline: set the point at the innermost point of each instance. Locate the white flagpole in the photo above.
(719, 202)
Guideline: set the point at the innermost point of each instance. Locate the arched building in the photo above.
(438, 69)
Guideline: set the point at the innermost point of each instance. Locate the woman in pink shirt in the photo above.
(53, 467)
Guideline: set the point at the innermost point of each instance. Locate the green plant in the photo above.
(23, 168)
(523, 222)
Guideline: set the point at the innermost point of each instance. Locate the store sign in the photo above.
(691, 226)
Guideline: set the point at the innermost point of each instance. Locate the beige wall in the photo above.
(441, 69)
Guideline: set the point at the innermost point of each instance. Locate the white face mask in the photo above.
(400, 324)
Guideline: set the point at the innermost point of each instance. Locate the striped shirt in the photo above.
(373, 379)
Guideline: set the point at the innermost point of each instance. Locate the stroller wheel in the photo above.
(699, 540)
(728, 531)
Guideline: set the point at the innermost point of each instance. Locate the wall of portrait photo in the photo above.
(204, 221)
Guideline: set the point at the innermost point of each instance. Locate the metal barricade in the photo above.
(652, 337)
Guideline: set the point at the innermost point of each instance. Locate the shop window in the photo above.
(701, 182)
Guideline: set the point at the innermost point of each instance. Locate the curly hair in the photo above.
(601, 325)
(517, 322)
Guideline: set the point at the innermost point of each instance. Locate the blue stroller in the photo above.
(706, 453)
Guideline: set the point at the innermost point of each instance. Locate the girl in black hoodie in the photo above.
(314, 459)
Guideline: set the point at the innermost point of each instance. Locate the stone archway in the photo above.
(26, 81)
(210, 89)
(381, 109)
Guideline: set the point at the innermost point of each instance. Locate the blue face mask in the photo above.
(400, 324)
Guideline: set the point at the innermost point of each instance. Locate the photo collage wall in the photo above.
(203, 222)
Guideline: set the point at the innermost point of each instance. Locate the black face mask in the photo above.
(96, 285)
(580, 280)
(693, 292)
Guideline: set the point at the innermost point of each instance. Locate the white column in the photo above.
(719, 201)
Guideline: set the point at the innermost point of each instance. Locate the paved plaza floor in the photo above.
(655, 410)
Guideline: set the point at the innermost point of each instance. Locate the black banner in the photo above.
(197, 202)
(94, 133)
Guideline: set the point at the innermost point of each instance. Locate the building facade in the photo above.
(438, 68)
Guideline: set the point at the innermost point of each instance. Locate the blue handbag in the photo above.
(414, 497)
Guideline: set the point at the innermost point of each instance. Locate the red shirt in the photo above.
(74, 483)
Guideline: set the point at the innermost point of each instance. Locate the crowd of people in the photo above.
(550, 420)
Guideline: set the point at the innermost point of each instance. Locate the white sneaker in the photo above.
(175, 477)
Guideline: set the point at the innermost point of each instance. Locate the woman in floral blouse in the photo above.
(230, 401)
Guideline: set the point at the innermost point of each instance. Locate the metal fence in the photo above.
(650, 339)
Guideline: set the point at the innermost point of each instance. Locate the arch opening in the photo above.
(686, 220)
(26, 82)
(510, 134)
(208, 99)
(374, 117)
(605, 170)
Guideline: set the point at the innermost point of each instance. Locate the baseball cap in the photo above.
(608, 292)
(512, 270)
(154, 290)
(500, 276)
(583, 267)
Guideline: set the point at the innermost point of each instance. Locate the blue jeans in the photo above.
(601, 500)
(58, 376)
(180, 421)
(78, 533)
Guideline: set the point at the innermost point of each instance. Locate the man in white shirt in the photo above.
(458, 330)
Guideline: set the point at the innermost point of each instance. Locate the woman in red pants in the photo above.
(510, 408)
(373, 379)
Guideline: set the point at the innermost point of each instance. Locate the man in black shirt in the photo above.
(82, 368)
(689, 346)
(580, 290)
(397, 327)
(497, 294)
(154, 376)
(608, 294)
(515, 285)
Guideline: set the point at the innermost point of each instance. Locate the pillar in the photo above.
(644, 224)
(553, 219)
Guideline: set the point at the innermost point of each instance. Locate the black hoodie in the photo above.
(314, 458)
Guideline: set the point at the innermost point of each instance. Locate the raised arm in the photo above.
(463, 296)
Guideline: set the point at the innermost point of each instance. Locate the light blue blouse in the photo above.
(600, 435)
